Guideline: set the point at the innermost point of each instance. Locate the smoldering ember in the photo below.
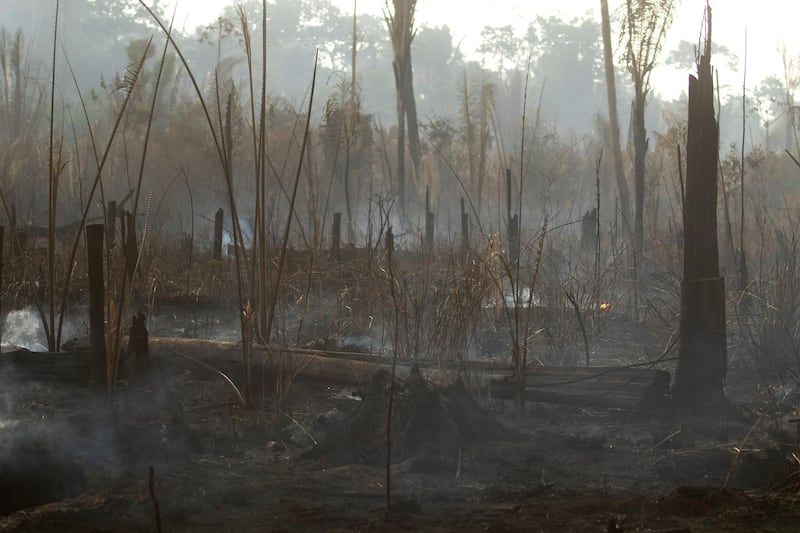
(308, 269)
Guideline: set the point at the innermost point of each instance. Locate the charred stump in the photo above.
(429, 221)
(513, 226)
(2, 230)
(702, 357)
(589, 231)
(111, 224)
(336, 235)
(18, 240)
(464, 228)
(131, 247)
(139, 346)
(219, 218)
(97, 335)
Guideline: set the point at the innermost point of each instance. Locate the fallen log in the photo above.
(74, 367)
(608, 387)
(345, 368)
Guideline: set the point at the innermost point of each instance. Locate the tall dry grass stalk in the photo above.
(258, 134)
(125, 293)
(285, 243)
(257, 298)
(56, 166)
(395, 350)
(224, 155)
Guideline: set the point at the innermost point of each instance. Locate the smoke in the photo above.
(42, 456)
(22, 328)
(247, 235)
(34, 470)
(57, 442)
(50, 437)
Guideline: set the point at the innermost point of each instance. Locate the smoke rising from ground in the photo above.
(22, 328)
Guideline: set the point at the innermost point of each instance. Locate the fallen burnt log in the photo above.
(345, 368)
(74, 367)
(609, 387)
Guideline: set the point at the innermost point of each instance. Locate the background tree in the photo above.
(644, 27)
(400, 21)
(437, 65)
(22, 114)
(791, 83)
(478, 100)
(341, 126)
(500, 44)
(568, 64)
(613, 116)
(684, 55)
(770, 104)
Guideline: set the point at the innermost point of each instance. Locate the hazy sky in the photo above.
(770, 24)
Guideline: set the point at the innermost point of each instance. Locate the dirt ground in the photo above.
(318, 462)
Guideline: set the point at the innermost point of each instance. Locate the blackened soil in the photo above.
(428, 423)
(316, 462)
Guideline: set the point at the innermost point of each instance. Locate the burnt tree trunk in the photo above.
(640, 146)
(429, 221)
(401, 145)
(131, 247)
(111, 224)
(97, 334)
(613, 120)
(464, 228)
(219, 219)
(513, 224)
(336, 235)
(414, 149)
(702, 358)
(2, 230)
(400, 21)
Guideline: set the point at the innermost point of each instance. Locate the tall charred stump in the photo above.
(2, 230)
(131, 247)
(336, 235)
(464, 229)
(219, 218)
(429, 221)
(702, 361)
(97, 335)
(111, 224)
(513, 224)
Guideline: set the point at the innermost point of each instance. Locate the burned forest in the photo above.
(312, 266)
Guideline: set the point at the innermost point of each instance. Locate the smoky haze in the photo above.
(428, 285)
(565, 99)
